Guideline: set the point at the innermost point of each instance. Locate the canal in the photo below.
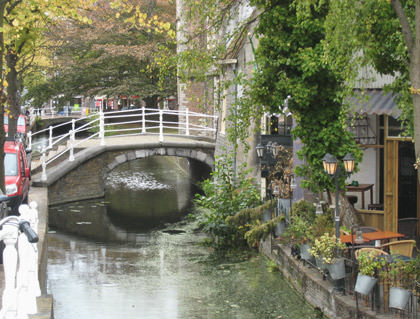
(136, 254)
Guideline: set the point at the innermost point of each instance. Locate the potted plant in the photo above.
(401, 275)
(298, 234)
(369, 266)
(329, 250)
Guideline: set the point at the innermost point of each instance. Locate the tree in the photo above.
(119, 53)
(290, 62)
(22, 22)
(385, 35)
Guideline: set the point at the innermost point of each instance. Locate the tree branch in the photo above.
(405, 25)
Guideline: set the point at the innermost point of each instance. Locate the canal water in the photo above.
(111, 258)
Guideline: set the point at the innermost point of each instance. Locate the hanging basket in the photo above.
(398, 297)
(337, 270)
(364, 284)
(304, 252)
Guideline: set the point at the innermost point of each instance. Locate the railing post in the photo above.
(160, 125)
(30, 139)
(50, 138)
(71, 157)
(9, 235)
(44, 166)
(143, 117)
(34, 225)
(102, 127)
(73, 124)
(28, 264)
(187, 125)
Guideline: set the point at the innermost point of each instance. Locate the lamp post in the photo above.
(333, 169)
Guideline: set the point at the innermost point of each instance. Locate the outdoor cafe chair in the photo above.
(401, 247)
(376, 251)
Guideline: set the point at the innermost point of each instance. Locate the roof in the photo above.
(374, 101)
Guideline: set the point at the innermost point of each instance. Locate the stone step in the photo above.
(45, 308)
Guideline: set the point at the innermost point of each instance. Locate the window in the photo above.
(10, 164)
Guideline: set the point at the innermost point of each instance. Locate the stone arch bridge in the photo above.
(84, 177)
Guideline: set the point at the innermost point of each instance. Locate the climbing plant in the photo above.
(290, 62)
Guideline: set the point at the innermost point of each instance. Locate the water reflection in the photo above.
(117, 264)
(140, 195)
(167, 276)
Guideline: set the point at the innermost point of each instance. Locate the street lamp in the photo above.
(268, 157)
(333, 169)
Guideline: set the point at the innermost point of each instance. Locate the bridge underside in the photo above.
(85, 177)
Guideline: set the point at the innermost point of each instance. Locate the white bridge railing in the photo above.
(122, 123)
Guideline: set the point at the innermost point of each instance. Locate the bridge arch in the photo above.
(161, 151)
(84, 178)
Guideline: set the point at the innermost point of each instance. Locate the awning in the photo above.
(374, 101)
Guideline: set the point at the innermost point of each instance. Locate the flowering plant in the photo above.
(327, 248)
(369, 264)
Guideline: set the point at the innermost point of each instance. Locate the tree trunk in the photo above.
(12, 92)
(415, 83)
(2, 99)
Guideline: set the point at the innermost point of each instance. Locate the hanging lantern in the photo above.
(330, 164)
(348, 163)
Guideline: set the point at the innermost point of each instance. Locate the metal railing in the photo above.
(123, 123)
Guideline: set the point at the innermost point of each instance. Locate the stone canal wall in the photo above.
(319, 293)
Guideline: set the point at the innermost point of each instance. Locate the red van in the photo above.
(17, 173)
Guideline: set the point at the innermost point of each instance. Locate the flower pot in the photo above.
(304, 252)
(337, 270)
(320, 263)
(398, 297)
(280, 228)
(364, 284)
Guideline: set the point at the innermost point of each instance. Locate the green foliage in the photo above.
(121, 52)
(225, 194)
(272, 266)
(369, 264)
(370, 34)
(327, 247)
(260, 231)
(402, 273)
(305, 226)
(290, 59)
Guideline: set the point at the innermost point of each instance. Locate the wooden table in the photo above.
(362, 188)
(346, 239)
(381, 235)
(367, 237)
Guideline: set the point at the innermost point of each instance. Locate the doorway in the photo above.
(407, 181)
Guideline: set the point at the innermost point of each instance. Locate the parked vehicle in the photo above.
(21, 124)
(17, 173)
